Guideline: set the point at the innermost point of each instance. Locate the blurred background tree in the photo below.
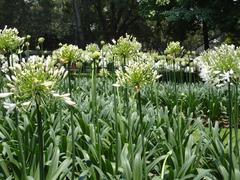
(196, 23)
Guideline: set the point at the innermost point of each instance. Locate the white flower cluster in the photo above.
(32, 79)
(9, 40)
(125, 49)
(136, 74)
(220, 65)
(13, 59)
(68, 53)
(106, 55)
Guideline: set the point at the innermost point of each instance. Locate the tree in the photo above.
(194, 14)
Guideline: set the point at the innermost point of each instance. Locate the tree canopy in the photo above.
(153, 22)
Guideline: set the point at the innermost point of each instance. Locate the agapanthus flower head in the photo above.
(173, 49)
(5, 67)
(68, 53)
(36, 77)
(104, 72)
(155, 56)
(126, 48)
(9, 40)
(220, 65)
(145, 56)
(92, 47)
(136, 74)
(41, 40)
(106, 53)
(28, 37)
(92, 52)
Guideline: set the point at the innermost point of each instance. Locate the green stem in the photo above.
(181, 74)
(189, 74)
(156, 95)
(164, 164)
(180, 140)
(61, 121)
(73, 145)
(27, 52)
(1, 81)
(230, 129)
(93, 92)
(94, 111)
(9, 65)
(116, 121)
(72, 122)
(210, 113)
(40, 140)
(236, 119)
(41, 47)
(116, 129)
(142, 134)
(24, 176)
(126, 111)
(175, 80)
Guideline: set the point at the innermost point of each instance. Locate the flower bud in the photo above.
(41, 40)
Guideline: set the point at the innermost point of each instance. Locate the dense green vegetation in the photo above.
(133, 115)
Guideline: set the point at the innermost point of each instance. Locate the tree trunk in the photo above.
(205, 35)
(79, 38)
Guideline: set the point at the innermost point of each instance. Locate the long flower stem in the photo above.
(116, 121)
(72, 122)
(142, 134)
(230, 129)
(189, 75)
(126, 112)
(61, 120)
(40, 141)
(116, 128)
(93, 93)
(94, 110)
(24, 176)
(236, 119)
(175, 80)
(9, 65)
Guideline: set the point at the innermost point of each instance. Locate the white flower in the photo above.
(28, 103)
(220, 65)
(9, 106)
(226, 76)
(65, 97)
(136, 74)
(4, 95)
(205, 73)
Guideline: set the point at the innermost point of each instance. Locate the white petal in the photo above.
(116, 85)
(69, 102)
(9, 106)
(3, 95)
(26, 103)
